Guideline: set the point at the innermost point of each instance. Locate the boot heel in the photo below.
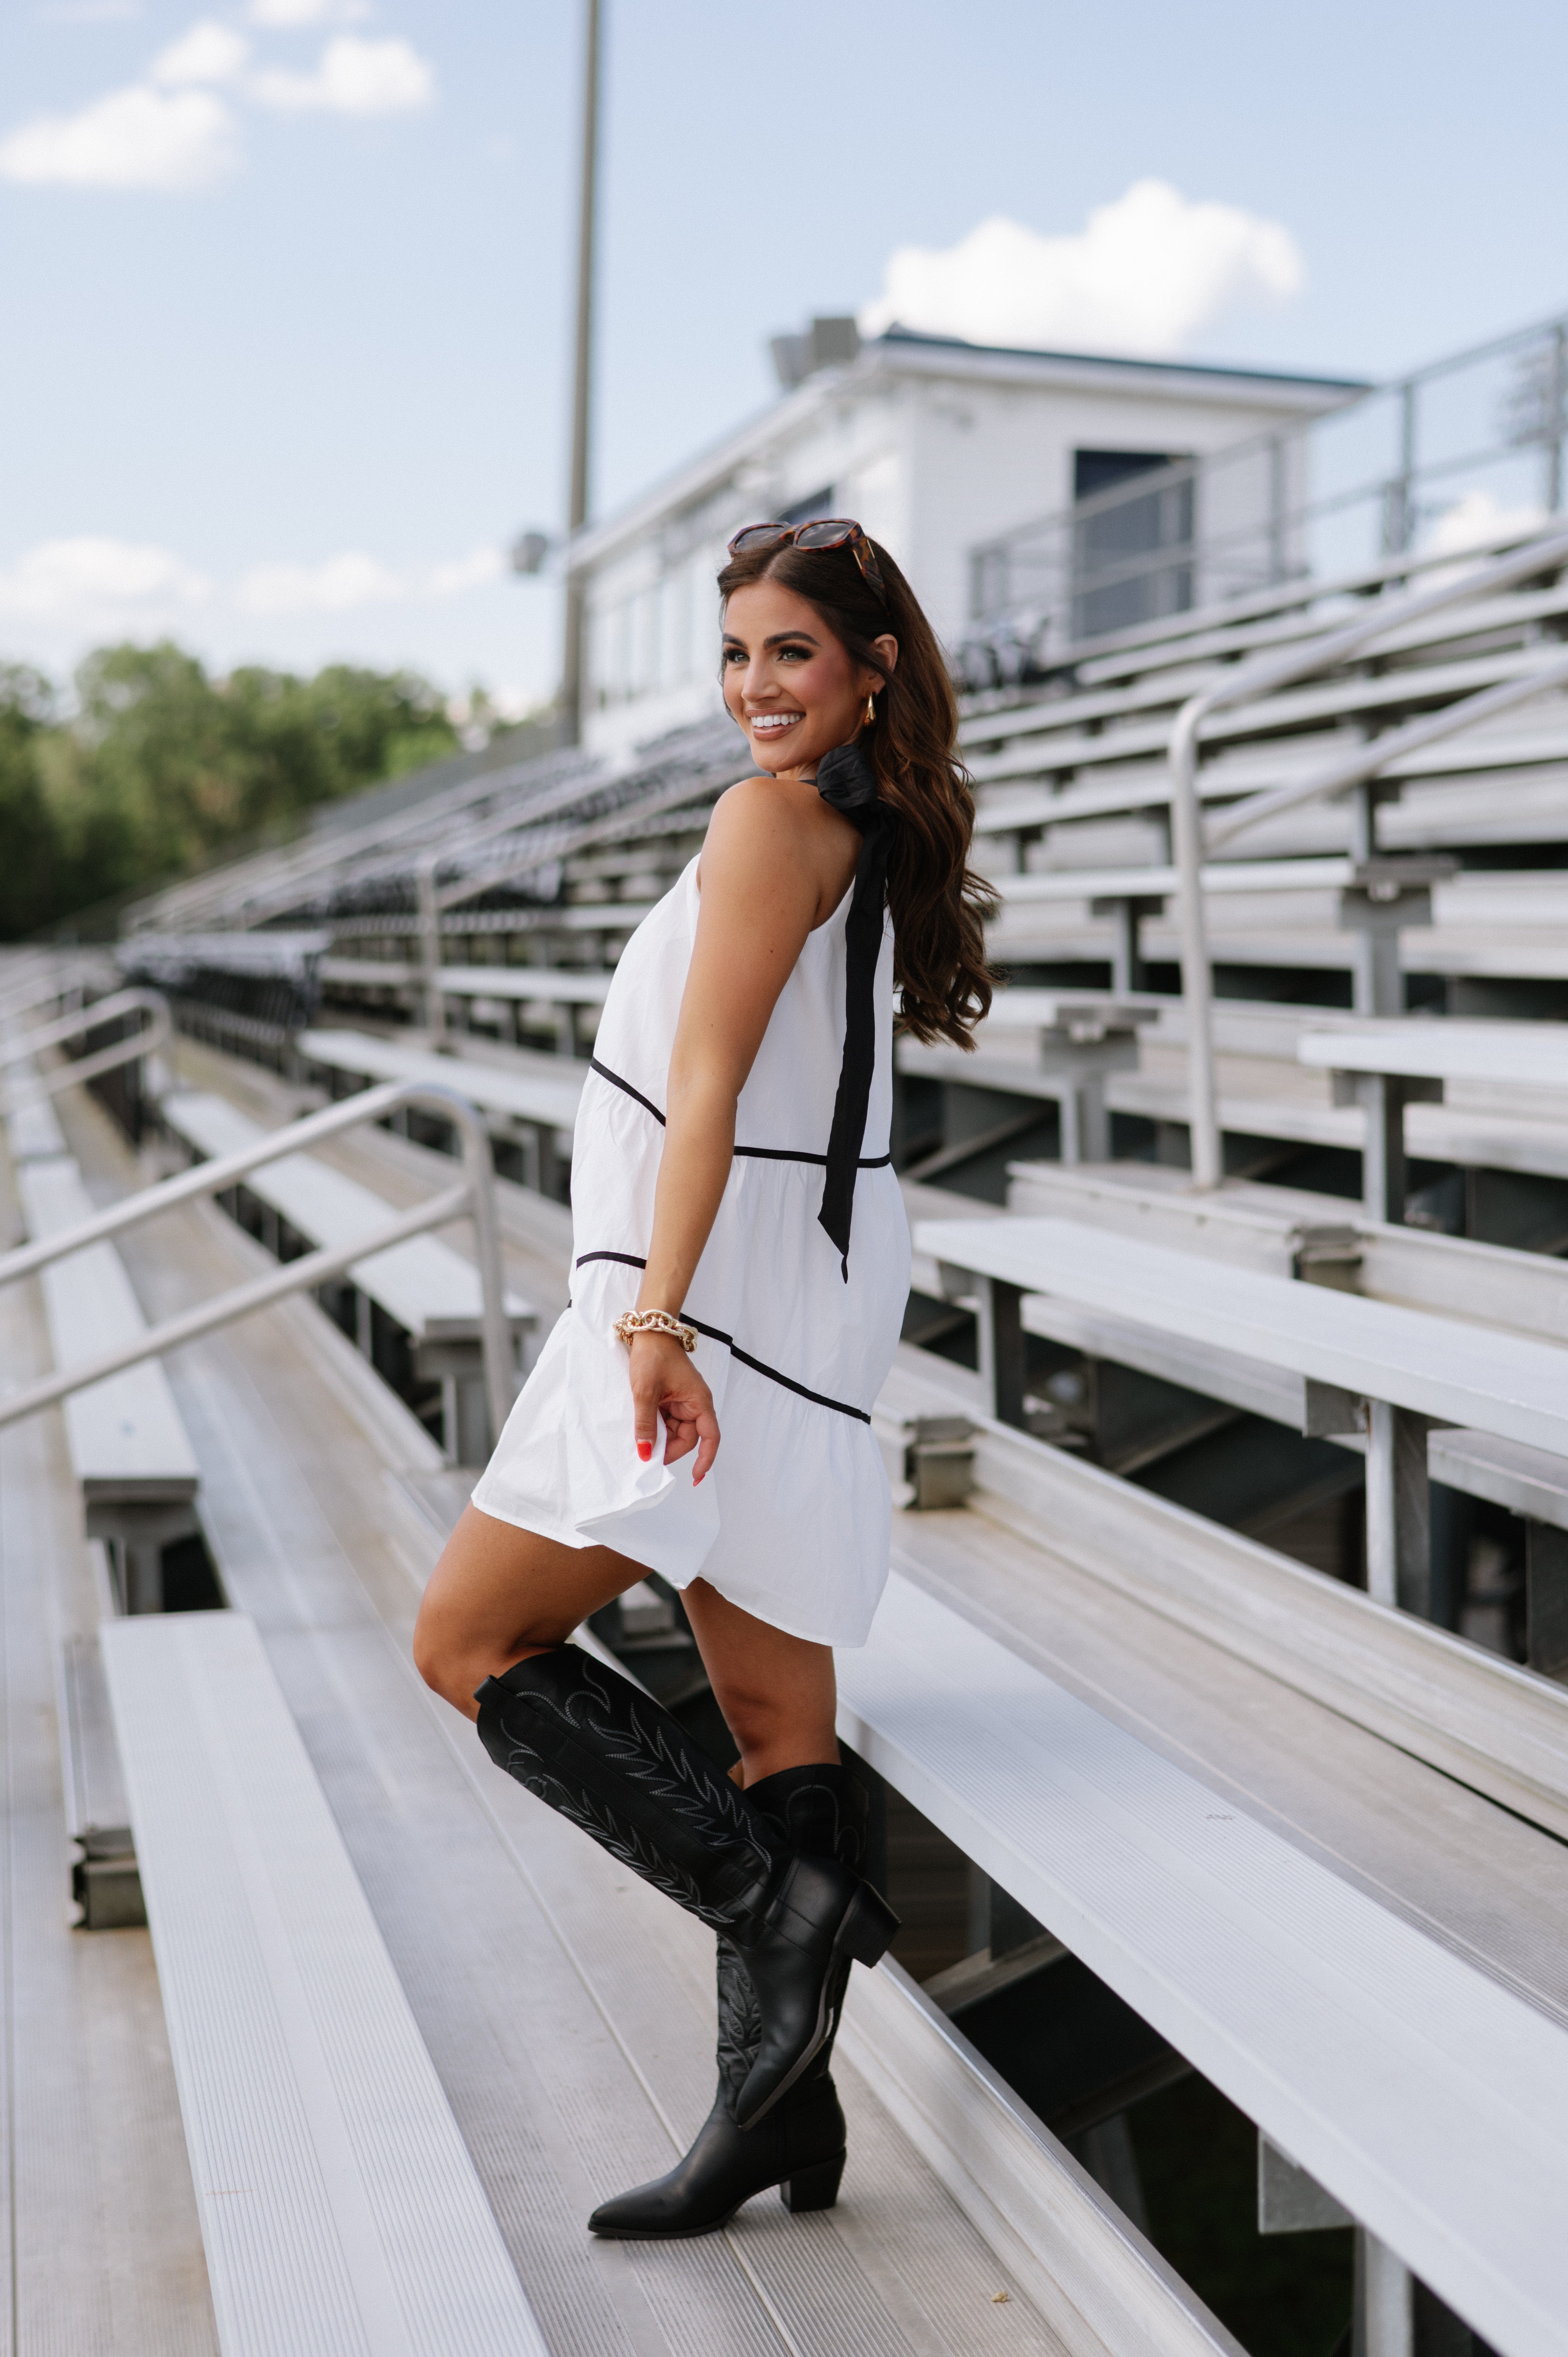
(870, 1928)
(813, 2188)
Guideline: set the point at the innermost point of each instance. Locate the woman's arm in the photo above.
(772, 859)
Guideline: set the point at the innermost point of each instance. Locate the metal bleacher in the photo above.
(1189, 1677)
(565, 2017)
(426, 1292)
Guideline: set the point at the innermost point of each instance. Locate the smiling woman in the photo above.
(741, 1258)
(868, 612)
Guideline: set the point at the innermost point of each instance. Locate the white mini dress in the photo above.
(793, 1521)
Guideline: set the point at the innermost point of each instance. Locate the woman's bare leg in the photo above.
(777, 1693)
(498, 1594)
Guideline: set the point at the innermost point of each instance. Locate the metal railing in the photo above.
(46, 985)
(1475, 439)
(1190, 837)
(474, 1197)
(704, 761)
(157, 1032)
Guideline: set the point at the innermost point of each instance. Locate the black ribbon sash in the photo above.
(846, 784)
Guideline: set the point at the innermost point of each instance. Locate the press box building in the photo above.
(937, 446)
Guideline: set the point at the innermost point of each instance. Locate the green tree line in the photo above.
(153, 766)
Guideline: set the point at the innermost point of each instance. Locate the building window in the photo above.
(819, 503)
(1133, 555)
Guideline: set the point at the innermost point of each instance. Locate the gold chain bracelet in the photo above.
(653, 1321)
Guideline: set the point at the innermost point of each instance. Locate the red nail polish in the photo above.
(645, 1449)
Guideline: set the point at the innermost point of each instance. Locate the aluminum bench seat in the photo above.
(515, 1094)
(1139, 676)
(1063, 932)
(104, 2255)
(567, 2007)
(1288, 1231)
(1221, 627)
(1072, 734)
(129, 1449)
(1058, 1047)
(1525, 754)
(1479, 1720)
(1369, 1367)
(1386, 1066)
(423, 1284)
(1415, 2076)
(563, 985)
(483, 990)
(339, 2208)
(1525, 1055)
(1500, 1382)
(1474, 1140)
(32, 1125)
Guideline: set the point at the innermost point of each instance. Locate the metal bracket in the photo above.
(1328, 1411)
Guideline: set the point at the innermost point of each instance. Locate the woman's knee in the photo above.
(454, 1658)
(447, 1667)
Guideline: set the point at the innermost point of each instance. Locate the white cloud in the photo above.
(91, 578)
(474, 571)
(1476, 518)
(354, 77)
(136, 138)
(352, 579)
(333, 588)
(208, 53)
(281, 15)
(1143, 276)
(96, 582)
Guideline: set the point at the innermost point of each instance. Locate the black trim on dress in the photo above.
(755, 1153)
(716, 1334)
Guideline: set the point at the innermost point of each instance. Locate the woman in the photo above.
(741, 1259)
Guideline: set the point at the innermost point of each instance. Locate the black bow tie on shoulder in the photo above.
(845, 782)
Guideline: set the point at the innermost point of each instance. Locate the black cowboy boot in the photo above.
(608, 1757)
(799, 2145)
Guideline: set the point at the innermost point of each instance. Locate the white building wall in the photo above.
(932, 460)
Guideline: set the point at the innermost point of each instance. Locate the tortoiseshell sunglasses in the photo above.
(826, 532)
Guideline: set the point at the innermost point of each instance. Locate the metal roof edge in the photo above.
(903, 351)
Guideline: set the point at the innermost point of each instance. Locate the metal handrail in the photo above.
(1293, 596)
(1052, 541)
(157, 1032)
(1260, 676)
(37, 992)
(1355, 769)
(476, 1195)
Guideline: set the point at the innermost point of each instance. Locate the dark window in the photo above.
(819, 503)
(1132, 556)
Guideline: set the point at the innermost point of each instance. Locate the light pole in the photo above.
(582, 375)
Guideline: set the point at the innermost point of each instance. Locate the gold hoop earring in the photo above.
(870, 710)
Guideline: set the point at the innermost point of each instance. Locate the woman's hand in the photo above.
(664, 1382)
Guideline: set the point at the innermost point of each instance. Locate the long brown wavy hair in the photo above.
(939, 907)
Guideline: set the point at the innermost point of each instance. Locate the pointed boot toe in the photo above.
(800, 2150)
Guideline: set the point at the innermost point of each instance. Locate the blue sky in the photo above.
(291, 406)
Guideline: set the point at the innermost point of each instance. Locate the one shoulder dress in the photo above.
(795, 1337)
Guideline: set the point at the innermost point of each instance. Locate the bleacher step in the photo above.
(339, 2208)
(1423, 2093)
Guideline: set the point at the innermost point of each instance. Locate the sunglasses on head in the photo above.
(827, 532)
